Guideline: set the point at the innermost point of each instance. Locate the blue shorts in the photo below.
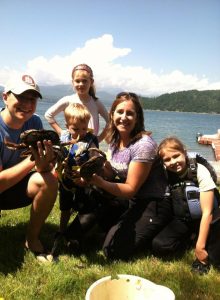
(16, 196)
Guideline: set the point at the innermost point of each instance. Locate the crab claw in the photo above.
(13, 146)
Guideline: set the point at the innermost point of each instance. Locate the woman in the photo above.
(132, 154)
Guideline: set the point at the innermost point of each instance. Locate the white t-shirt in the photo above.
(204, 178)
(95, 107)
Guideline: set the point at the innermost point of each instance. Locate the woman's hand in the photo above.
(137, 174)
(80, 182)
(44, 157)
(96, 180)
(108, 172)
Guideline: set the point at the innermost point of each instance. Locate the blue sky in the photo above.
(145, 46)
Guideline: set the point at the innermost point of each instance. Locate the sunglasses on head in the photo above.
(128, 94)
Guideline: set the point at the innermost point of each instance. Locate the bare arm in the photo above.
(206, 202)
(55, 109)
(102, 135)
(104, 114)
(137, 174)
(43, 163)
(56, 127)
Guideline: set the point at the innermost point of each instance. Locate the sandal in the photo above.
(44, 256)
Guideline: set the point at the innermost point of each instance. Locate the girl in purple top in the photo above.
(132, 154)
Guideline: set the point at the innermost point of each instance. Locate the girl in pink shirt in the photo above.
(83, 84)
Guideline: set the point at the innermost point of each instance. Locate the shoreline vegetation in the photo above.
(193, 112)
(185, 101)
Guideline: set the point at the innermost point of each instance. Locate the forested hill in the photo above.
(186, 101)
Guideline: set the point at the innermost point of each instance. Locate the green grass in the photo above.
(23, 277)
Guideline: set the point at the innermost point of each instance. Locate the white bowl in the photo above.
(127, 287)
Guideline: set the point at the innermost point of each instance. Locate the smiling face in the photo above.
(174, 160)
(19, 108)
(82, 82)
(124, 117)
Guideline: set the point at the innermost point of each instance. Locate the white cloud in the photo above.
(101, 54)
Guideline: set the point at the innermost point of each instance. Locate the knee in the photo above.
(116, 248)
(50, 182)
(44, 183)
(168, 248)
(159, 247)
(112, 252)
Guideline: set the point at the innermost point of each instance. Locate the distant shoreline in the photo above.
(185, 112)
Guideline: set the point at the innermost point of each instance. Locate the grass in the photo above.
(23, 277)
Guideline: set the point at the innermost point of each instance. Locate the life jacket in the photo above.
(74, 157)
(184, 192)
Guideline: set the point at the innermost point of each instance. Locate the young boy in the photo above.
(19, 185)
(72, 196)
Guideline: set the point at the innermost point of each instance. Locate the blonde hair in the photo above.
(76, 111)
(173, 143)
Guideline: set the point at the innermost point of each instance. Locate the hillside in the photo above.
(56, 92)
(185, 101)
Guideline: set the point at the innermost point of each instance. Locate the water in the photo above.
(163, 124)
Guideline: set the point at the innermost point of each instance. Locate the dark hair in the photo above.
(112, 136)
(85, 67)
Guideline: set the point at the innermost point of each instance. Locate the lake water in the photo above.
(162, 124)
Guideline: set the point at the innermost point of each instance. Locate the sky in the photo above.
(149, 47)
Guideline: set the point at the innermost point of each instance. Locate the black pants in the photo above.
(16, 196)
(137, 227)
(103, 212)
(175, 237)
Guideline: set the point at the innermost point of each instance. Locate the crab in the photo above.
(83, 168)
(31, 137)
(93, 165)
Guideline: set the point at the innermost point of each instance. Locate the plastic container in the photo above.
(127, 287)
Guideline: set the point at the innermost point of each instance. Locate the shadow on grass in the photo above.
(12, 250)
